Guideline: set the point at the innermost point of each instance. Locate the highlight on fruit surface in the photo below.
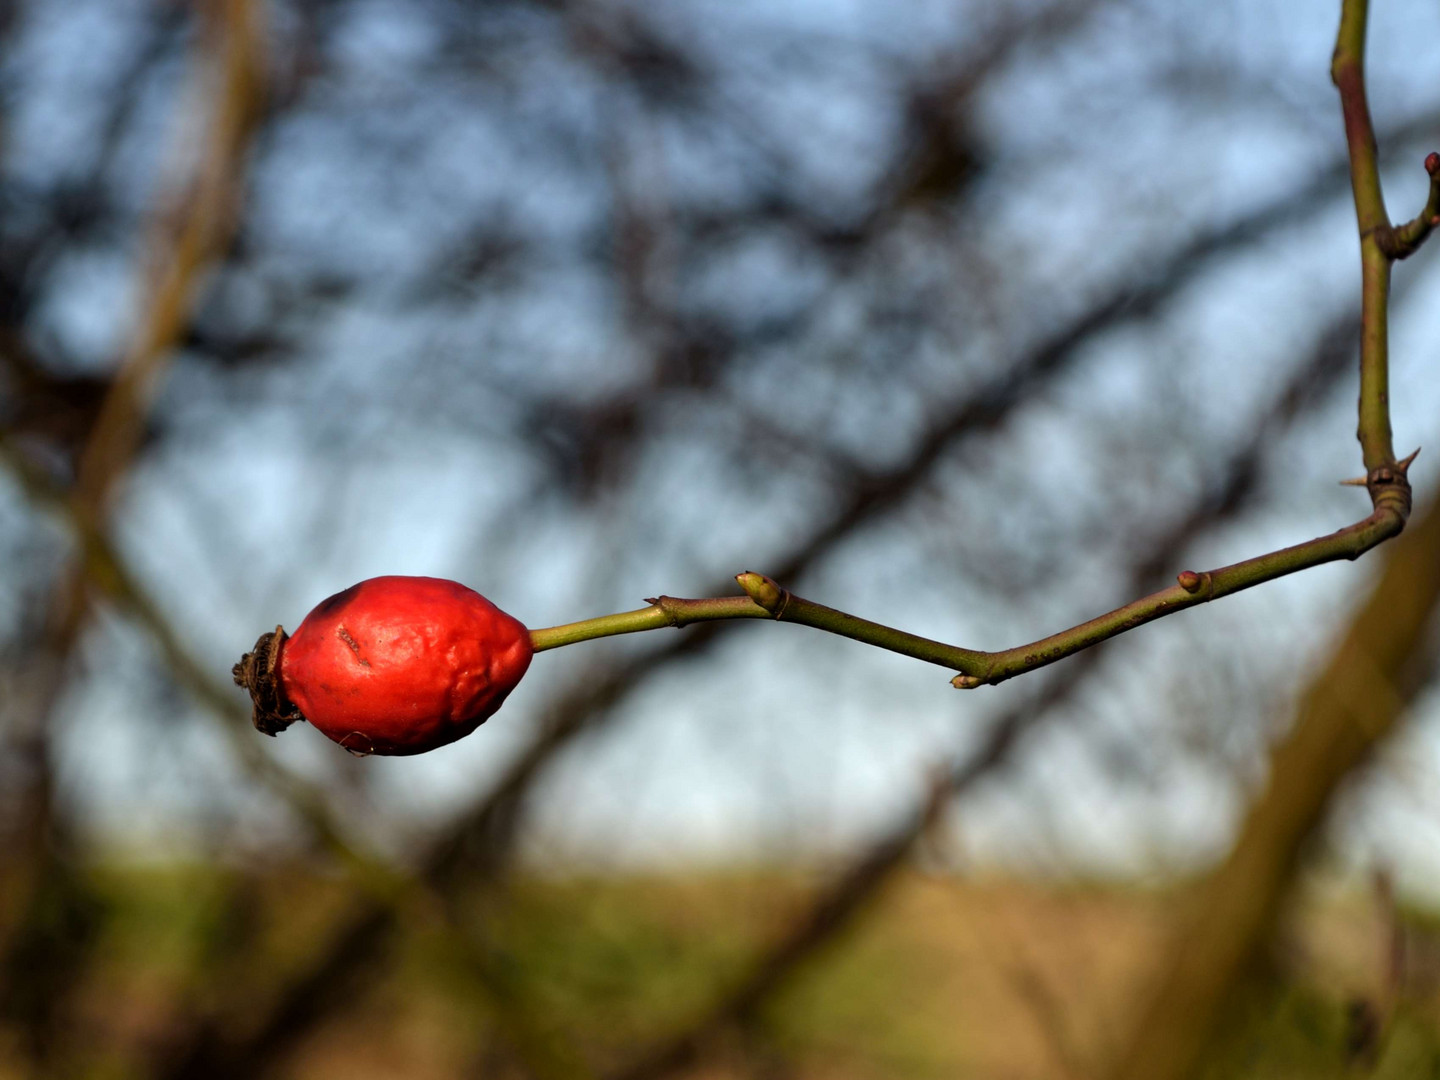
(393, 665)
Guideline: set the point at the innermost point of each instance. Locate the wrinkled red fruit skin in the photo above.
(401, 665)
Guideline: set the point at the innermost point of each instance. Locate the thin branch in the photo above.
(1391, 493)
(835, 909)
(1364, 689)
(1386, 478)
(1404, 240)
(478, 841)
(234, 42)
(1380, 242)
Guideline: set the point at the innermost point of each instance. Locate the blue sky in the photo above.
(391, 441)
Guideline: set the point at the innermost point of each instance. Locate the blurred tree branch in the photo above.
(188, 236)
(693, 354)
(1356, 701)
(1364, 689)
(835, 909)
(477, 844)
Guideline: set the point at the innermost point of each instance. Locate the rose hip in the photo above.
(393, 665)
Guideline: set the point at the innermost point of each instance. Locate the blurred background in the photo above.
(975, 318)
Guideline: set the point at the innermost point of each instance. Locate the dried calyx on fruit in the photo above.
(393, 665)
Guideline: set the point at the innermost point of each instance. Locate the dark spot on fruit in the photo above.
(332, 604)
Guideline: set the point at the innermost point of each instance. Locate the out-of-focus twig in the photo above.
(834, 910)
(190, 234)
(194, 230)
(543, 1055)
(872, 494)
(1361, 693)
(1358, 697)
(478, 842)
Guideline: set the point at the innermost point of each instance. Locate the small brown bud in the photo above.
(1190, 581)
(1432, 164)
(966, 682)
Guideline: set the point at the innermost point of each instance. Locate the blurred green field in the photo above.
(942, 977)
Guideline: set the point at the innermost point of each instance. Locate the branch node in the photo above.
(1402, 241)
(674, 612)
(1389, 486)
(1390, 474)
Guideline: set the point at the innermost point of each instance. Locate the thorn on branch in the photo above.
(1389, 486)
(1394, 473)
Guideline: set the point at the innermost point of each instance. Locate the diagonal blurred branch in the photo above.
(478, 843)
(194, 231)
(1364, 689)
(836, 909)
(190, 235)
(542, 1055)
(1368, 683)
(872, 494)
(939, 158)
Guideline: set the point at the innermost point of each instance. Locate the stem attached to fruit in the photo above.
(766, 600)
(663, 611)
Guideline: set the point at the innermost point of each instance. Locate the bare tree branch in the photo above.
(836, 908)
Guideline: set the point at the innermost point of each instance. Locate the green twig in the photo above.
(663, 611)
(1380, 242)
(1386, 479)
(1404, 240)
(766, 599)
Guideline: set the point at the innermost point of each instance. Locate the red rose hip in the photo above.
(393, 665)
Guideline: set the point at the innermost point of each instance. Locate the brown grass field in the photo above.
(942, 977)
